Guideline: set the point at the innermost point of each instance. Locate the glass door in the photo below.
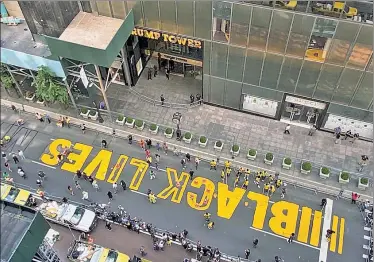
(292, 112)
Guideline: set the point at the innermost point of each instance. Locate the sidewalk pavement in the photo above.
(293, 176)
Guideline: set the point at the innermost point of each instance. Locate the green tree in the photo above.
(5, 78)
(47, 88)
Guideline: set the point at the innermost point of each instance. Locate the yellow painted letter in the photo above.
(117, 170)
(227, 200)
(101, 162)
(51, 158)
(207, 197)
(142, 167)
(76, 161)
(177, 186)
(261, 208)
(284, 218)
(304, 224)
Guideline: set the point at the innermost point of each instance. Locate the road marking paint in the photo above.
(341, 235)
(137, 192)
(285, 238)
(334, 227)
(367, 237)
(304, 224)
(366, 247)
(52, 139)
(36, 162)
(316, 228)
(367, 228)
(326, 225)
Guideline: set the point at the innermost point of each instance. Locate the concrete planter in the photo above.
(322, 175)
(170, 134)
(285, 165)
(217, 147)
(121, 122)
(187, 138)
(235, 153)
(342, 180)
(155, 131)
(269, 160)
(139, 126)
(130, 122)
(30, 97)
(361, 185)
(203, 144)
(40, 102)
(85, 115)
(93, 115)
(305, 171)
(252, 156)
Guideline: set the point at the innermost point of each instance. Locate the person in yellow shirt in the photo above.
(262, 175)
(213, 165)
(257, 181)
(247, 173)
(270, 178)
(228, 171)
(271, 190)
(278, 183)
(236, 183)
(266, 188)
(227, 164)
(245, 184)
(223, 176)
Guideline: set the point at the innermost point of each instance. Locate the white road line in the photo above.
(285, 238)
(326, 225)
(52, 139)
(140, 193)
(43, 164)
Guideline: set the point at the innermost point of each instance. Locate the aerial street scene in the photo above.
(186, 131)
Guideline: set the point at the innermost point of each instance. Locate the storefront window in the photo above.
(185, 17)
(340, 45)
(259, 28)
(300, 32)
(363, 48)
(280, 28)
(348, 82)
(221, 21)
(271, 70)
(321, 39)
(151, 14)
(219, 60)
(308, 78)
(241, 17)
(203, 19)
(253, 65)
(236, 63)
(327, 82)
(137, 10)
(168, 16)
(290, 72)
(364, 94)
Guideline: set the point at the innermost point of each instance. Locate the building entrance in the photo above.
(302, 111)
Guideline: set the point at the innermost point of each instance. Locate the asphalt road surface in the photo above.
(240, 216)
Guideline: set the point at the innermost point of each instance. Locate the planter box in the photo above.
(305, 172)
(323, 176)
(154, 132)
(30, 98)
(285, 166)
(268, 162)
(236, 153)
(130, 124)
(252, 157)
(187, 141)
(140, 128)
(218, 148)
(362, 186)
(342, 181)
(85, 115)
(121, 122)
(40, 102)
(203, 144)
(169, 135)
(94, 117)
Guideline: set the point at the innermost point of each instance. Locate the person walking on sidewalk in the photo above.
(355, 137)
(47, 118)
(162, 98)
(347, 134)
(198, 98)
(167, 73)
(149, 74)
(21, 154)
(213, 165)
(154, 70)
(287, 129)
(15, 158)
(337, 140)
(312, 130)
(337, 130)
(67, 121)
(291, 238)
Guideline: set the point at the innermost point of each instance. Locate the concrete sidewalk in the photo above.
(293, 176)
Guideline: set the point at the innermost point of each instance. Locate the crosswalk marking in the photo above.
(316, 228)
(341, 235)
(326, 225)
(304, 224)
(334, 228)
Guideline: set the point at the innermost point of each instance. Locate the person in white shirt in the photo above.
(115, 185)
(21, 154)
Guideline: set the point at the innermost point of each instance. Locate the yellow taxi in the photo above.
(15, 195)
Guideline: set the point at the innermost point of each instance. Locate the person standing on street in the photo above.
(67, 121)
(355, 137)
(3, 155)
(108, 225)
(291, 238)
(192, 99)
(7, 166)
(255, 242)
(162, 98)
(115, 186)
(154, 70)
(149, 74)
(85, 195)
(355, 197)
(83, 128)
(247, 253)
(167, 73)
(77, 185)
(197, 162)
(104, 144)
(183, 163)
(347, 134)
(287, 129)
(21, 154)
(110, 196)
(15, 158)
(312, 130)
(337, 130)
(191, 174)
(337, 140)
(165, 148)
(123, 184)
(152, 174)
(198, 98)
(70, 189)
(47, 118)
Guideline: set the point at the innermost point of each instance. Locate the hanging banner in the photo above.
(83, 77)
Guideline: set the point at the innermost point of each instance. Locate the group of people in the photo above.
(348, 135)
(17, 157)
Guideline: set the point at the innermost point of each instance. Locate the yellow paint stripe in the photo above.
(341, 235)
(304, 225)
(334, 227)
(316, 229)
